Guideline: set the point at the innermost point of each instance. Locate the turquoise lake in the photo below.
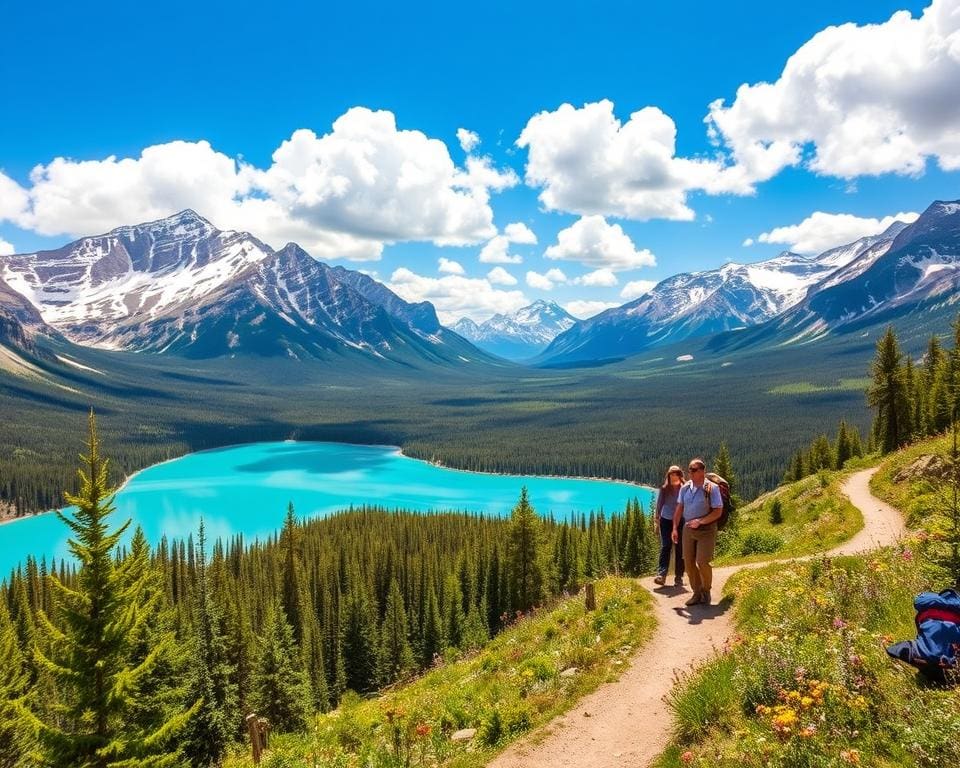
(245, 490)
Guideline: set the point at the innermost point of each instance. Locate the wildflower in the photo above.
(806, 702)
(687, 757)
(839, 623)
(907, 555)
(808, 732)
(424, 730)
(850, 756)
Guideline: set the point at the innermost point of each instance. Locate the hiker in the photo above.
(699, 507)
(663, 523)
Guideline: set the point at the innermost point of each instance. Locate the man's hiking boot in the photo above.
(659, 579)
(705, 597)
(678, 582)
(695, 599)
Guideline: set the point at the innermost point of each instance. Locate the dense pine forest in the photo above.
(143, 656)
(628, 420)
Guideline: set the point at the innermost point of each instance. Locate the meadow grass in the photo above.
(806, 680)
(816, 517)
(511, 686)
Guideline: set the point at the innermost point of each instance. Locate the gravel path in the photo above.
(627, 723)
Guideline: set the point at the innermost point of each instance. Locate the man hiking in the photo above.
(699, 506)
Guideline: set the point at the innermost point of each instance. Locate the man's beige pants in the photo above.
(698, 547)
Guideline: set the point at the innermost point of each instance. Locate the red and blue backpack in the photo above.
(936, 650)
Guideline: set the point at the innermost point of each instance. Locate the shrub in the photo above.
(760, 543)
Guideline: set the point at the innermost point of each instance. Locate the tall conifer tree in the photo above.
(90, 654)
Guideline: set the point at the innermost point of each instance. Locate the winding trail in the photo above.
(627, 723)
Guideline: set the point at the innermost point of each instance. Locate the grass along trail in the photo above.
(627, 722)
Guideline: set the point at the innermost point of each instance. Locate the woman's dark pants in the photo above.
(666, 544)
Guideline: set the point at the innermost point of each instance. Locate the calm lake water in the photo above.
(245, 489)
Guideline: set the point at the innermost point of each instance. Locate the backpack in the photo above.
(937, 647)
(724, 486)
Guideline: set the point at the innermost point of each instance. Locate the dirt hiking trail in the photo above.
(626, 724)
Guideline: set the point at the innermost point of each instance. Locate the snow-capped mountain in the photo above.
(519, 335)
(702, 303)
(920, 268)
(181, 285)
(19, 319)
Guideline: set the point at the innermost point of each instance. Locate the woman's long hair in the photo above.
(666, 487)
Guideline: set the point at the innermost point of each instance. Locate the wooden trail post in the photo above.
(590, 596)
(259, 730)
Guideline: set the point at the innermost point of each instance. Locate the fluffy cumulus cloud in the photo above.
(603, 278)
(6, 249)
(593, 242)
(497, 251)
(341, 194)
(520, 233)
(636, 288)
(450, 267)
(586, 161)
(548, 281)
(583, 309)
(820, 231)
(468, 139)
(500, 276)
(865, 100)
(456, 296)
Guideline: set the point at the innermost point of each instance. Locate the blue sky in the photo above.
(87, 85)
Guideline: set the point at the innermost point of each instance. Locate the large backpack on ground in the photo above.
(724, 486)
(937, 647)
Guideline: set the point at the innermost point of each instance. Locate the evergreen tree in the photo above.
(453, 612)
(526, 573)
(433, 641)
(888, 395)
(292, 594)
(724, 467)
(776, 512)
(396, 656)
(14, 684)
(821, 455)
(359, 646)
(281, 693)
(209, 732)
(89, 657)
(843, 449)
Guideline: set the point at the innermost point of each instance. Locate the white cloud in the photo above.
(6, 249)
(636, 288)
(342, 194)
(14, 200)
(548, 281)
(500, 276)
(598, 278)
(871, 99)
(450, 267)
(585, 309)
(593, 242)
(456, 296)
(520, 233)
(748, 242)
(587, 162)
(468, 139)
(496, 251)
(820, 231)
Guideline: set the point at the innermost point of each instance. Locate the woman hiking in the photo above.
(663, 522)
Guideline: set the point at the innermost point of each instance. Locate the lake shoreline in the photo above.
(396, 449)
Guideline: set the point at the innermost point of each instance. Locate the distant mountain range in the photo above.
(180, 285)
(784, 298)
(519, 335)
